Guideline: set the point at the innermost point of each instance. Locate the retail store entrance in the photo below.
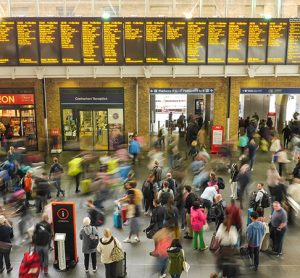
(92, 119)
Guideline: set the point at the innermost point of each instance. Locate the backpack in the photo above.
(164, 197)
(41, 236)
(94, 239)
(138, 196)
(221, 183)
(266, 200)
(146, 188)
(22, 183)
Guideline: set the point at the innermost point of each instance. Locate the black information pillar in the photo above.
(64, 221)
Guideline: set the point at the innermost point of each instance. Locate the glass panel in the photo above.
(116, 128)
(69, 128)
(85, 130)
(100, 130)
(27, 127)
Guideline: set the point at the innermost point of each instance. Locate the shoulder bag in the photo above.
(185, 265)
(117, 254)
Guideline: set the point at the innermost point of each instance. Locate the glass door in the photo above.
(100, 130)
(86, 130)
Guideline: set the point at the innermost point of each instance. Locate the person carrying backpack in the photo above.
(165, 194)
(176, 259)
(42, 238)
(149, 190)
(262, 198)
(157, 172)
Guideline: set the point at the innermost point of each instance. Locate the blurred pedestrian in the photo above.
(55, 174)
(190, 198)
(133, 214)
(28, 186)
(176, 259)
(6, 234)
(219, 207)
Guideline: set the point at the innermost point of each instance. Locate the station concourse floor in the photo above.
(140, 264)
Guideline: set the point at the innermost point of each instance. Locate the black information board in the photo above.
(91, 39)
(257, 41)
(27, 33)
(155, 41)
(196, 41)
(49, 42)
(217, 40)
(293, 52)
(277, 41)
(134, 41)
(113, 42)
(8, 43)
(70, 40)
(237, 41)
(176, 37)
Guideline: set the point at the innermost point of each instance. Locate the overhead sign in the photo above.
(21, 99)
(182, 90)
(268, 91)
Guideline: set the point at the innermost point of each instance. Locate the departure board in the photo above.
(277, 41)
(237, 41)
(70, 40)
(49, 42)
(176, 47)
(27, 42)
(134, 41)
(196, 41)
(217, 40)
(113, 42)
(91, 39)
(8, 43)
(257, 41)
(155, 42)
(293, 52)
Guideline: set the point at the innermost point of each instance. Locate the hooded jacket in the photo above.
(255, 233)
(198, 219)
(105, 247)
(175, 261)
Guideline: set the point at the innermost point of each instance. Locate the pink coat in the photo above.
(198, 219)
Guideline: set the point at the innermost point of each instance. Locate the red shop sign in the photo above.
(11, 99)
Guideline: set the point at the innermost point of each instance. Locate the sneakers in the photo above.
(86, 271)
(137, 239)
(10, 269)
(203, 249)
(127, 240)
(163, 276)
(95, 270)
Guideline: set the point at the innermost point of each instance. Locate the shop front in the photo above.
(18, 117)
(92, 119)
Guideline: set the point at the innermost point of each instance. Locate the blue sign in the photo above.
(270, 91)
(182, 90)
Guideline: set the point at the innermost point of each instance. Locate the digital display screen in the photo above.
(196, 42)
(277, 41)
(8, 43)
(49, 42)
(134, 42)
(155, 42)
(217, 40)
(91, 39)
(176, 37)
(70, 39)
(293, 52)
(113, 42)
(27, 42)
(257, 41)
(237, 41)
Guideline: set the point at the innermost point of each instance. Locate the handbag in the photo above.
(5, 247)
(117, 254)
(214, 244)
(185, 265)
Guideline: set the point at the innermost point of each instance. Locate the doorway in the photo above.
(93, 130)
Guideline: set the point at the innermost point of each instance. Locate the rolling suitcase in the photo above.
(117, 219)
(124, 214)
(122, 268)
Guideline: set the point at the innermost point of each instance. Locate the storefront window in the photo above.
(69, 126)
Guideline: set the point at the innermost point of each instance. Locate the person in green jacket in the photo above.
(176, 259)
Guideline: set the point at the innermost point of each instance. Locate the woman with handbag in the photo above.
(111, 253)
(176, 259)
(6, 234)
(90, 240)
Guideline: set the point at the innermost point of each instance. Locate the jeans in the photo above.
(198, 245)
(277, 239)
(111, 270)
(44, 255)
(254, 255)
(6, 259)
(163, 265)
(57, 185)
(233, 188)
(87, 260)
(207, 204)
(77, 180)
(28, 197)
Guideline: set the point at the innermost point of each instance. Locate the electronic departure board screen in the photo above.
(134, 41)
(237, 41)
(113, 42)
(196, 41)
(91, 39)
(217, 40)
(293, 52)
(155, 42)
(257, 41)
(176, 37)
(8, 43)
(49, 42)
(28, 42)
(277, 41)
(70, 40)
